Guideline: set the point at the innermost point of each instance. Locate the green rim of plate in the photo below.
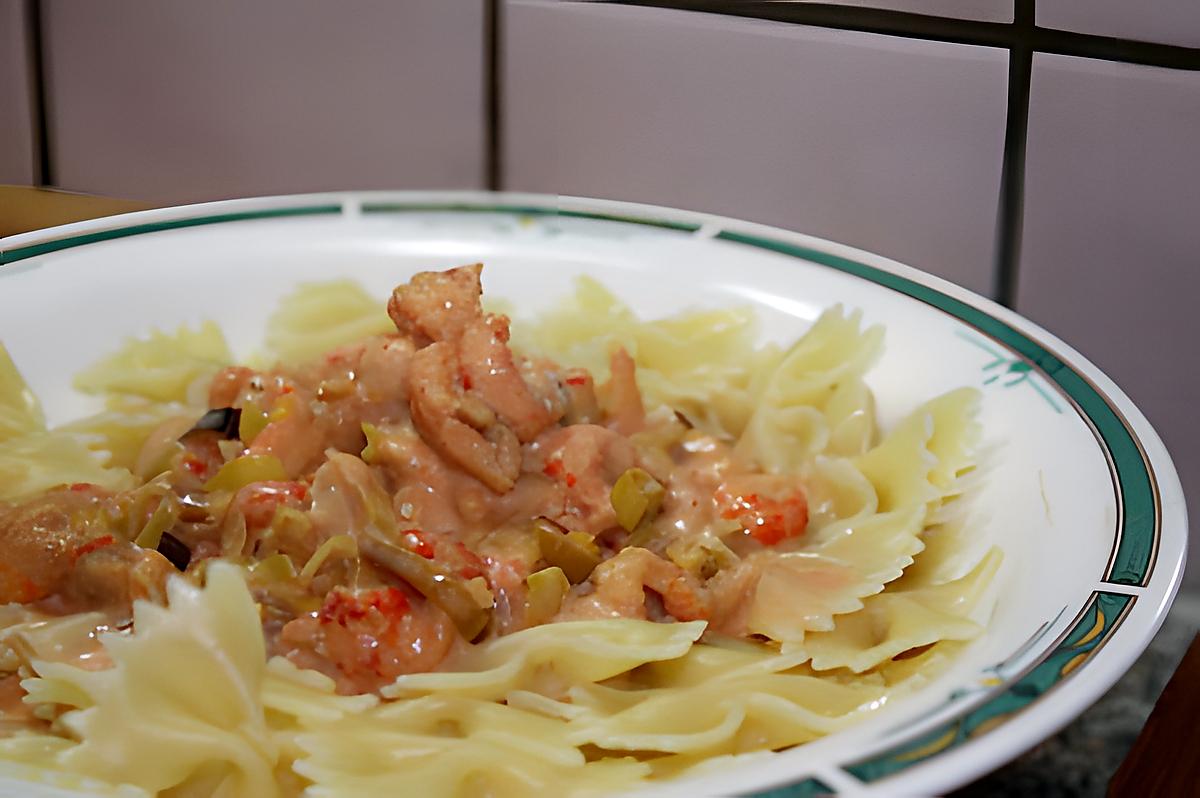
(67, 242)
(524, 210)
(1134, 550)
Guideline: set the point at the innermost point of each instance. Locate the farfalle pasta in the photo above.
(425, 550)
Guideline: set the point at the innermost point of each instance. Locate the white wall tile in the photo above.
(1164, 21)
(1111, 254)
(16, 123)
(894, 145)
(172, 101)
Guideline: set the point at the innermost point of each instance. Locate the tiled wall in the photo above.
(1046, 152)
(17, 157)
(894, 145)
(176, 101)
(1165, 21)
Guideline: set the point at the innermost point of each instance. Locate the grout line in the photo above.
(43, 172)
(493, 110)
(958, 31)
(1109, 48)
(1022, 38)
(1011, 208)
(869, 20)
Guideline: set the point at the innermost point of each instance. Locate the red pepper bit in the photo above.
(81, 487)
(340, 607)
(416, 539)
(498, 324)
(29, 590)
(466, 381)
(555, 469)
(578, 380)
(473, 566)
(92, 545)
(195, 465)
(389, 601)
(263, 499)
(768, 520)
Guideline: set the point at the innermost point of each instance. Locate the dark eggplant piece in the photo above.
(224, 420)
(175, 551)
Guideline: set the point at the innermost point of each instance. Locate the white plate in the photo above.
(1079, 491)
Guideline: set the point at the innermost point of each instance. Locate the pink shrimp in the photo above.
(468, 398)
(585, 460)
(290, 437)
(438, 306)
(228, 385)
(65, 546)
(625, 410)
(489, 371)
(383, 371)
(364, 639)
(459, 427)
(580, 405)
(619, 589)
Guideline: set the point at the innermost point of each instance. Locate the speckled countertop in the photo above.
(1079, 760)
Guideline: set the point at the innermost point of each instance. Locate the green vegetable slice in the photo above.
(574, 552)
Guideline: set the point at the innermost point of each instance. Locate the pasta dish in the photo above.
(437, 551)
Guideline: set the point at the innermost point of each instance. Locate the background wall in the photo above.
(17, 96)
(891, 144)
(174, 101)
(1043, 153)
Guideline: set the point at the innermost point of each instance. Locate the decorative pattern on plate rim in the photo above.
(1018, 371)
(1102, 616)
(991, 677)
